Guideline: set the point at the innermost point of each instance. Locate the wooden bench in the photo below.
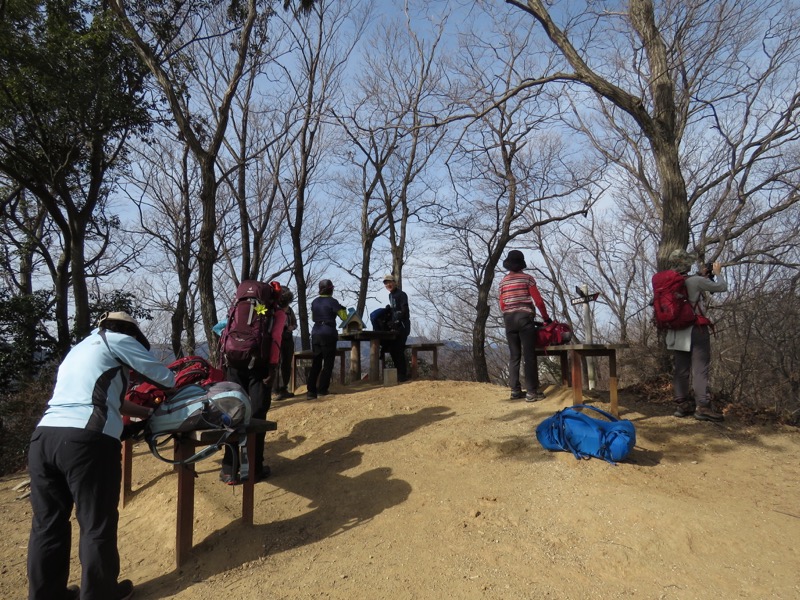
(433, 348)
(574, 377)
(416, 348)
(184, 447)
(308, 355)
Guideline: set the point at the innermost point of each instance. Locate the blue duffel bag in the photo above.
(572, 431)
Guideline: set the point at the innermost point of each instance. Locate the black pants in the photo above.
(73, 466)
(323, 348)
(521, 337)
(287, 352)
(397, 350)
(252, 381)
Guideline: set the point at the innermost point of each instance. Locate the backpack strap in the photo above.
(154, 443)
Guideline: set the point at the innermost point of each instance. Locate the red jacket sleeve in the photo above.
(537, 300)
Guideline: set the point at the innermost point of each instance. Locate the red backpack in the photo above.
(188, 370)
(671, 306)
(553, 334)
(247, 338)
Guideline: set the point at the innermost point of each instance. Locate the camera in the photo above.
(709, 267)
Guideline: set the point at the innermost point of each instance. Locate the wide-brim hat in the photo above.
(125, 318)
(515, 261)
(681, 260)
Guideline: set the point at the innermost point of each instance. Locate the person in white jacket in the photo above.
(692, 345)
(75, 459)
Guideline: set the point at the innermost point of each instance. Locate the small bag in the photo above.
(553, 334)
(572, 431)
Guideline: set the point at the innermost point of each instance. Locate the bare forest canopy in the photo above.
(153, 155)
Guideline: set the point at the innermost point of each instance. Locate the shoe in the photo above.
(534, 396)
(124, 590)
(228, 479)
(264, 474)
(73, 592)
(517, 395)
(684, 409)
(707, 414)
(311, 396)
(284, 394)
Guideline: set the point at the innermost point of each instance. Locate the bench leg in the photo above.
(414, 364)
(435, 369)
(612, 383)
(185, 520)
(248, 487)
(577, 378)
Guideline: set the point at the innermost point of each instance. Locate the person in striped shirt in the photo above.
(519, 300)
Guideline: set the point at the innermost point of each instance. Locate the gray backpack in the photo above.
(222, 406)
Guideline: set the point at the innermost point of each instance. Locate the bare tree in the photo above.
(696, 96)
(510, 177)
(176, 45)
(389, 149)
(167, 180)
(323, 39)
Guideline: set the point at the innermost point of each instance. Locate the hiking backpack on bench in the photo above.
(223, 406)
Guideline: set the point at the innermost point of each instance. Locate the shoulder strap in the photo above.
(198, 456)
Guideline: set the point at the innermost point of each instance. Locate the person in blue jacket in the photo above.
(324, 310)
(75, 458)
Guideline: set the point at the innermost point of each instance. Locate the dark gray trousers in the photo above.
(521, 337)
(694, 364)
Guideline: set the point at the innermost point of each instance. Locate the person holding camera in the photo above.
(400, 319)
(692, 345)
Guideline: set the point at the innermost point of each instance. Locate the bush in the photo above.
(20, 411)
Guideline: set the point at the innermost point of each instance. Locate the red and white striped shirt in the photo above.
(518, 293)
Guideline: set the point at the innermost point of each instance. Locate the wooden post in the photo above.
(185, 519)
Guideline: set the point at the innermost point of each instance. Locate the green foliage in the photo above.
(25, 343)
(118, 300)
(66, 78)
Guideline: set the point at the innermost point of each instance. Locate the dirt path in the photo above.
(439, 490)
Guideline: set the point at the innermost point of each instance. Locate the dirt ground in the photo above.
(440, 490)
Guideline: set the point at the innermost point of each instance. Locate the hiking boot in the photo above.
(311, 396)
(124, 590)
(517, 395)
(262, 475)
(228, 479)
(534, 396)
(284, 394)
(706, 413)
(684, 409)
